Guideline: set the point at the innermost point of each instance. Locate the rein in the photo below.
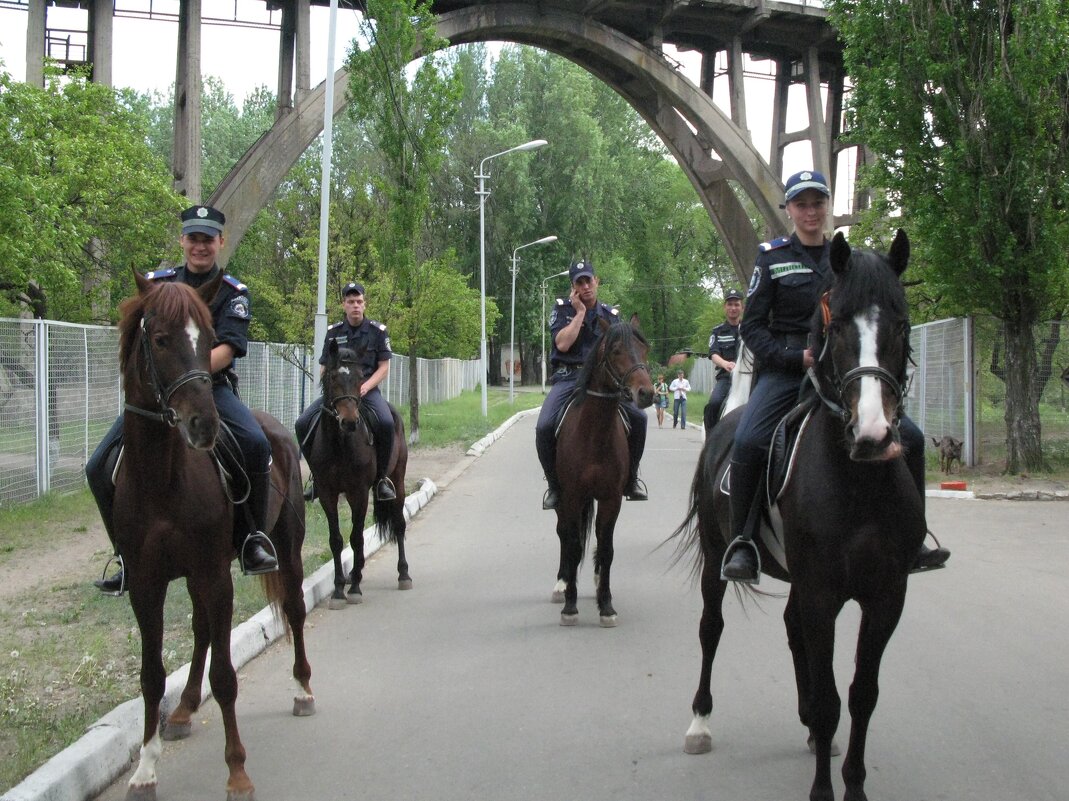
(839, 384)
(163, 394)
(617, 380)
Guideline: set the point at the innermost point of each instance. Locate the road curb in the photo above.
(88, 766)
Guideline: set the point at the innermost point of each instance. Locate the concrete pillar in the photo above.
(186, 166)
(736, 85)
(303, 49)
(100, 41)
(35, 42)
(708, 76)
(286, 35)
(818, 131)
(779, 116)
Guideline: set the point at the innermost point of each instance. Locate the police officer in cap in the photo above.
(573, 327)
(356, 332)
(723, 351)
(789, 276)
(201, 240)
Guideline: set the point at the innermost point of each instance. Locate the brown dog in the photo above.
(949, 451)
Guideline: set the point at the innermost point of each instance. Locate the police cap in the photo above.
(352, 288)
(806, 179)
(579, 269)
(732, 294)
(203, 220)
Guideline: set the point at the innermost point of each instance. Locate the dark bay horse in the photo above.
(593, 461)
(173, 518)
(342, 460)
(852, 517)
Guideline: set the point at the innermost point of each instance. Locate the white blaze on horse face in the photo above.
(193, 332)
(872, 423)
(343, 370)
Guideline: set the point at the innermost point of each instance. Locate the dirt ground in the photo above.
(78, 555)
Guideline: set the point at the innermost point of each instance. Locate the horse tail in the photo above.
(586, 525)
(385, 522)
(275, 591)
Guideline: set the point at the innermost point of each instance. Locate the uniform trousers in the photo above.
(716, 400)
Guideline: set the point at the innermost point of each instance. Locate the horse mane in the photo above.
(168, 300)
(615, 333)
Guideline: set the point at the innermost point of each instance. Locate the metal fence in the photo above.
(60, 391)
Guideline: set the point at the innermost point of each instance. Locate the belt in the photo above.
(793, 340)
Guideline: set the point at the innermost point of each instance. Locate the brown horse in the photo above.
(594, 465)
(342, 460)
(852, 517)
(173, 518)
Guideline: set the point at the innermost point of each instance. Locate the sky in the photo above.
(244, 59)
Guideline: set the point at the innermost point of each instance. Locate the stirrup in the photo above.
(261, 539)
(733, 546)
(102, 582)
(389, 483)
(550, 501)
(919, 568)
(639, 491)
(310, 491)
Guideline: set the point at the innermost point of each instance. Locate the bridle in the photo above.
(618, 381)
(840, 383)
(330, 404)
(163, 393)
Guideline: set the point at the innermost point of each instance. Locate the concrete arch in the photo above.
(681, 115)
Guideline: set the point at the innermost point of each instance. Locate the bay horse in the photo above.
(173, 518)
(852, 517)
(594, 464)
(342, 460)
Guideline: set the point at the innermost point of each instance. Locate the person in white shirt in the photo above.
(679, 388)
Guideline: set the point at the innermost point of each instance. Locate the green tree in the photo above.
(966, 106)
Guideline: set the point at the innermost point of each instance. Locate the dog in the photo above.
(949, 451)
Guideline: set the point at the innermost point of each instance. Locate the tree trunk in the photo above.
(529, 360)
(1023, 389)
(413, 392)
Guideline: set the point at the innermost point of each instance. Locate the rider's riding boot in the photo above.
(636, 487)
(552, 495)
(256, 552)
(113, 585)
(310, 491)
(741, 561)
(384, 490)
(930, 558)
(104, 494)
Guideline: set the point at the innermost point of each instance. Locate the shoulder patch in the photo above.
(378, 325)
(560, 301)
(239, 307)
(336, 325)
(755, 281)
(775, 244)
(240, 287)
(167, 272)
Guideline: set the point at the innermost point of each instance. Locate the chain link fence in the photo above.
(60, 391)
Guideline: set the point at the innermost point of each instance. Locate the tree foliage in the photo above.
(966, 105)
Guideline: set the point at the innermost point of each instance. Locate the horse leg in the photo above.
(557, 596)
(571, 554)
(699, 739)
(358, 510)
(179, 723)
(608, 511)
(817, 613)
(328, 499)
(147, 599)
(289, 534)
(878, 622)
(796, 640)
(404, 580)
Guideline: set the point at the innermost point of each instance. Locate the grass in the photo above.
(70, 654)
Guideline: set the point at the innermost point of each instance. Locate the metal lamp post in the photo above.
(483, 194)
(544, 281)
(512, 315)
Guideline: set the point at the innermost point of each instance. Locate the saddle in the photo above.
(367, 417)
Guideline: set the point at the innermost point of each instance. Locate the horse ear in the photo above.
(840, 253)
(210, 290)
(635, 321)
(332, 348)
(603, 325)
(143, 284)
(899, 254)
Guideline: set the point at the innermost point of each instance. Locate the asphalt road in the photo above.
(467, 688)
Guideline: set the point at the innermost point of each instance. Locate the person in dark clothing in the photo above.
(201, 240)
(789, 276)
(368, 336)
(723, 351)
(573, 326)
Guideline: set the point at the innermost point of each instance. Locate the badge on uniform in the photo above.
(553, 318)
(755, 281)
(239, 307)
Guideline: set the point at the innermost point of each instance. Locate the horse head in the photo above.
(165, 345)
(861, 331)
(342, 379)
(617, 364)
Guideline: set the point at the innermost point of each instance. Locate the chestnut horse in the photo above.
(593, 466)
(173, 518)
(342, 460)
(852, 517)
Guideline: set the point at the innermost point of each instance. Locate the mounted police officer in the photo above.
(201, 240)
(361, 334)
(789, 276)
(723, 351)
(574, 329)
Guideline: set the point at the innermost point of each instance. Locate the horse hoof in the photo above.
(698, 743)
(336, 603)
(354, 597)
(569, 620)
(833, 751)
(404, 584)
(241, 795)
(176, 731)
(143, 792)
(304, 706)
(607, 621)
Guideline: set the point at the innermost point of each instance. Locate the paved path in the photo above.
(467, 688)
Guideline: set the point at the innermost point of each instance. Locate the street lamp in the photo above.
(483, 194)
(512, 316)
(544, 280)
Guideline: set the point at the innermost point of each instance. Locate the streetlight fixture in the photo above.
(544, 281)
(512, 316)
(483, 194)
